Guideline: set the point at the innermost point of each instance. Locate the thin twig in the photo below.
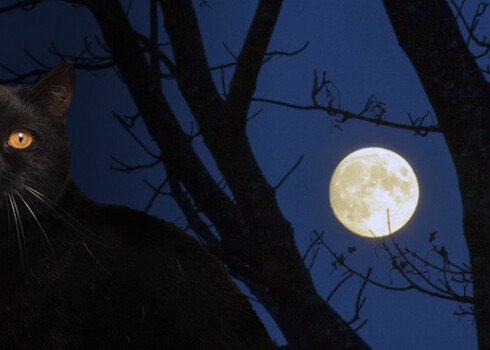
(133, 135)
(337, 287)
(156, 193)
(298, 162)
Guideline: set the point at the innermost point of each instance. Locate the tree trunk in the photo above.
(428, 33)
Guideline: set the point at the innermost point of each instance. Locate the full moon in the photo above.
(366, 184)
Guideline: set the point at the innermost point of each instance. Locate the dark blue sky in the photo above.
(351, 40)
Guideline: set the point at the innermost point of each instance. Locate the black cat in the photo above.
(76, 274)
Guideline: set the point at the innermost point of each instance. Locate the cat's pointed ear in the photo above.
(54, 92)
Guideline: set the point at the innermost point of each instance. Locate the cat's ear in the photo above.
(54, 92)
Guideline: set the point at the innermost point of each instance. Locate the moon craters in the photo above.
(368, 182)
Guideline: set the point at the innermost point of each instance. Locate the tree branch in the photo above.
(175, 146)
(346, 115)
(434, 291)
(249, 62)
(192, 70)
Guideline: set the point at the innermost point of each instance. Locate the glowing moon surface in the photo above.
(368, 182)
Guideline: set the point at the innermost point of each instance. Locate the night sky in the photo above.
(351, 40)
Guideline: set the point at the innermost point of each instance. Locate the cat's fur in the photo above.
(76, 274)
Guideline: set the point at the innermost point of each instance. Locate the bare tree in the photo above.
(249, 233)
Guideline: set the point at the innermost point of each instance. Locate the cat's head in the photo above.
(34, 149)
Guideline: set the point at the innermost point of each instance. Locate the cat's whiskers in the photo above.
(95, 259)
(55, 208)
(5, 196)
(38, 223)
(18, 227)
(63, 214)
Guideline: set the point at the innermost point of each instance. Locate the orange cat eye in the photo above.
(20, 139)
